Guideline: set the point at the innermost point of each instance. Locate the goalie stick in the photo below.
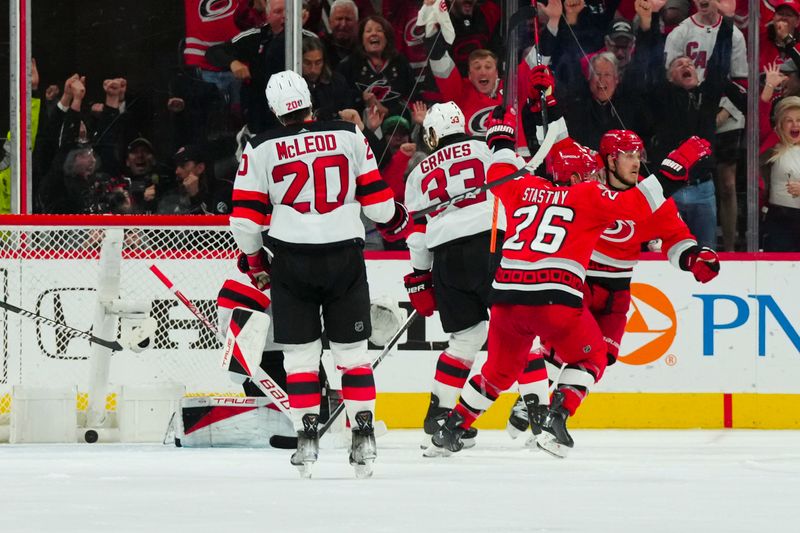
(112, 345)
(267, 384)
(280, 441)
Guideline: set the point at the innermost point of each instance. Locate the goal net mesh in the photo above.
(52, 270)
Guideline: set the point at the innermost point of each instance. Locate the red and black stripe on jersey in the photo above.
(251, 205)
(358, 384)
(371, 189)
(451, 371)
(235, 294)
(611, 277)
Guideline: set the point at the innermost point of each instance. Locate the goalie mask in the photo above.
(136, 334)
(569, 163)
(440, 121)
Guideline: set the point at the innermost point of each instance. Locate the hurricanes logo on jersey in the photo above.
(215, 9)
(651, 326)
(477, 122)
(621, 231)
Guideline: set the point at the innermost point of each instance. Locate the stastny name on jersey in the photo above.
(547, 196)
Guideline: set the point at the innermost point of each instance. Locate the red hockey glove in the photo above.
(256, 267)
(680, 161)
(541, 81)
(420, 292)
(702, 262)
(399, 227)
(501, 127)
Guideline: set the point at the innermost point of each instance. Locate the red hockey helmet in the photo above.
(569, 162)
(613, 142)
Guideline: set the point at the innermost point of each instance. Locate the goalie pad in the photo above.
(245, 340)
(386, 318)
(208, 422)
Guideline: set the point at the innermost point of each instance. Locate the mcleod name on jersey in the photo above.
(452, 169)
(551, 231)
(318, 176)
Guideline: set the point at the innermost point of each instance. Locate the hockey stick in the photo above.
(263, 381)
(520, 16)
(279, 441)
(112, 345)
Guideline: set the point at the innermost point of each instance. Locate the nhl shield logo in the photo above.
(359, 326)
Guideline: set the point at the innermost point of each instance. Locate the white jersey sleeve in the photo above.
(249, 217)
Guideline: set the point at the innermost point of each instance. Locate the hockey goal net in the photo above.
(50, 265)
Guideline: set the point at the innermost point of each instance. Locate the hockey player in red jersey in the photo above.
(538, 288)
(452, 272)
(608, 277)
(318, 176)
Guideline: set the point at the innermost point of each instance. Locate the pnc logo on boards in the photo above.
(651, 326)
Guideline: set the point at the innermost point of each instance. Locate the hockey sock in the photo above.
(358, 390)
(304, 396)
(574, 382)
(533, 379)
(476, 398)
(451, 374)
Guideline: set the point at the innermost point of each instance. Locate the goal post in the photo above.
(88, 272)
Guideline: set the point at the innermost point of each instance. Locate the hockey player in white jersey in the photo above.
(453, 269)
(318, 176)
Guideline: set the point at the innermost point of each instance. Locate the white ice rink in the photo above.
(615, 481)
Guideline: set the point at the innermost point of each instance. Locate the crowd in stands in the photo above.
(666, 69)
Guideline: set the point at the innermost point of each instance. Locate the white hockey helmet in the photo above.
(440, 121)
(287, 91)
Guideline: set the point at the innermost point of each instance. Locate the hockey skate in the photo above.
(554, 438)
(362, 448)
(517, 419)
(434, 419)
(448, 438)
(536, 415)
(307, 446)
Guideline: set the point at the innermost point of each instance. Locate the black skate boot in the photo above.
(554, 438)
(434, 419)
(517, 419)
(447, 439)
(307, 446)
(536, 415)
(362, 448)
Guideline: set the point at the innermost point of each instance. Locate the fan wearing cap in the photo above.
(140, 170)
(198, 192)
(316, 177)
(779, 34)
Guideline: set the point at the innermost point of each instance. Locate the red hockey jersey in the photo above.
(618, 249)
(207, 23)
(552, 231)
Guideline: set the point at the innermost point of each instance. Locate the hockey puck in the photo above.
(283, 442)
(90, 436)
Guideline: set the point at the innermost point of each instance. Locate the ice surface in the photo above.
(614, 481)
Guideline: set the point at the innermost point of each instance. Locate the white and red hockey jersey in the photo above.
(619, 247)
(696, 40)
(551, 231)
(449, 171)
(317, 176)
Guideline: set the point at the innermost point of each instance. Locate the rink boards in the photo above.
(724, 354)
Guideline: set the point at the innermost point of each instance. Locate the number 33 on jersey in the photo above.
(318, 176)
